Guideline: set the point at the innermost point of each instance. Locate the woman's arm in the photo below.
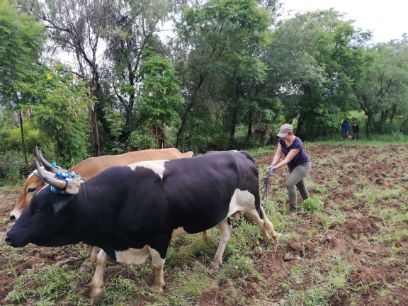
(278, 155)
(291, 155)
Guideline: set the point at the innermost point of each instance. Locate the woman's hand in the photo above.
(270, 170)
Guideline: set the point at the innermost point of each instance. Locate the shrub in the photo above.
(312, 204)
(141, 141)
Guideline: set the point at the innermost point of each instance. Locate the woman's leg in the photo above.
(303, 190)
(296, 178)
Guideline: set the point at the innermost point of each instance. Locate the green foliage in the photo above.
(141, 141)
(21, 40)
(160, 93)
(6, 123)
(312, 204)
(116, 124)
(32, 137)
(382, 89)
(315, 78)
(60, 106)
(225, 39)
(11, 162)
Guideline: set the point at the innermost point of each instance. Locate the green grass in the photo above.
(335, 217)
(46, 286)
(326, 280)
(261, 151)
(374, 140)
(313, 204)
(189, 284)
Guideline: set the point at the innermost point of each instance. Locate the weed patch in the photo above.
(312, 204)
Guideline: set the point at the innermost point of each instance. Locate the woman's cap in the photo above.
(285, 129)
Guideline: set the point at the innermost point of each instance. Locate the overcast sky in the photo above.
(387, 19)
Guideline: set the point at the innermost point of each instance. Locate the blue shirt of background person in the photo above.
(345, 126)
(300, 158)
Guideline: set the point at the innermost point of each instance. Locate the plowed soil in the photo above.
(352, 251)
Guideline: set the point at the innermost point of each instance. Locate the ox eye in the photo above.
(31, 189)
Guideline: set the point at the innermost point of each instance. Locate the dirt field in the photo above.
(349, 248)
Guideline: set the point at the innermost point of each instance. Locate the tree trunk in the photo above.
(160, 136)
(95, 133)
(369, 122)
(234, 115)
(22, 138)
(392, 113)
(233, 125)
(301, 120)
(249, 132)
(188, 109)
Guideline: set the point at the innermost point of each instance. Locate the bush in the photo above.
(12, 167)
(312, 204)
(141, 141)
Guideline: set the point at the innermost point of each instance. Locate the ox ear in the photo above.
(59, 206)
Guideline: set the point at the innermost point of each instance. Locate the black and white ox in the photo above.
(131, 212)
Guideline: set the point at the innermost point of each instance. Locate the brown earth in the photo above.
(373, 266)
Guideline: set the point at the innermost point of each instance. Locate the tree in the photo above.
(75, 27)
(223, 39)
(59, 102)
(160, 94)
(382, 91)
(130, 26)
(21, 41)
(314, 60)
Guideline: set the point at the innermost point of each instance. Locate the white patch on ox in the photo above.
(242, 200)
(32, 173)
(139, 256)
(45, 186)
(157, 166)
(133, 256)
(15, 213)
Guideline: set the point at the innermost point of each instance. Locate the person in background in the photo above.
(356, 130)
(298, 163)
(345, 127)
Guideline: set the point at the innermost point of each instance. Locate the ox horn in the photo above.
(43, 161)
(71, 187)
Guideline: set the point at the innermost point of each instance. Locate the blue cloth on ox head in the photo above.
(63, 175)
(54, 164)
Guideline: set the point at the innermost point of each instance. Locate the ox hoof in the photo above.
(96, 295)
(272, 236)
(215, 265)
(158, 288)
(276, 237)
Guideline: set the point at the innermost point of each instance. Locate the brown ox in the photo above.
(91, 167)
